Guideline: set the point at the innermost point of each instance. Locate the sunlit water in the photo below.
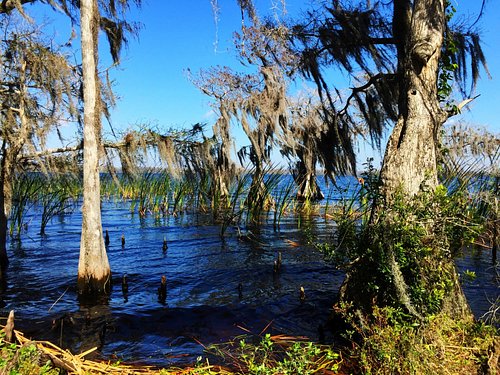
(204, 302)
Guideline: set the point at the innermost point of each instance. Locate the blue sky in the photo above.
(153, 87)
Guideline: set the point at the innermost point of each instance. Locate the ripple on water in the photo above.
(215, 287)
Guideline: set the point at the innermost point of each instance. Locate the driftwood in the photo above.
(76, 364)
(10, 335)
(124, 285)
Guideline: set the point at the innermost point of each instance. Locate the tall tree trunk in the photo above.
(410, 156)
(409, 167)
(4, 178)
(94, 274)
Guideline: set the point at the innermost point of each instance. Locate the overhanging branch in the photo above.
(361, 88)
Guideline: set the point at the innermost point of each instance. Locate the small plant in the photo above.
(23, 360)
(469, 275)
(273, 355)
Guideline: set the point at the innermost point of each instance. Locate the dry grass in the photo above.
(77, 364)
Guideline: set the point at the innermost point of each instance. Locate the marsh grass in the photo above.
(283, 202)
(261, 197)
(25, 191)
(58, 197)
(390, 344)
(250, 201)
(234, 212)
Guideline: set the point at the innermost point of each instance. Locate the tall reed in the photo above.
(234, 212)
(284, 195)
(59, 196)
(24, 192)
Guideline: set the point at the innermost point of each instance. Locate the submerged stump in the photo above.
(162, 290)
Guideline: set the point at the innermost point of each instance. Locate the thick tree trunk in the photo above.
(309, 189)
(409, 167)
(305, 178)
(94, 274)
(410, 157)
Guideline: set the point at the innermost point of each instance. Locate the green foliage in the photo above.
(407, 246)
(447, 64)
(53, 194)
(421, 234)
(23, 360)
(57, 197)
(274, 355)
(351, 215)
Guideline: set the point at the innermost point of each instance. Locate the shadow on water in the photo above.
(215, 288)
(172, 335)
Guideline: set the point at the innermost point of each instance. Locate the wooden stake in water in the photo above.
(162, 290)
(277, 263)
(106, 238)
(302, 294)
(123, 240)
(165, 246)
(124, 285)
(240, 291)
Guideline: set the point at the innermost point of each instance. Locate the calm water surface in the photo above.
(204, 301)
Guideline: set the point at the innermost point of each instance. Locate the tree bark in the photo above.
(410, 158)
(94, 274)
(409, 167)
(4, 260)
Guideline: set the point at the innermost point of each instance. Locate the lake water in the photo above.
(216, 288)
